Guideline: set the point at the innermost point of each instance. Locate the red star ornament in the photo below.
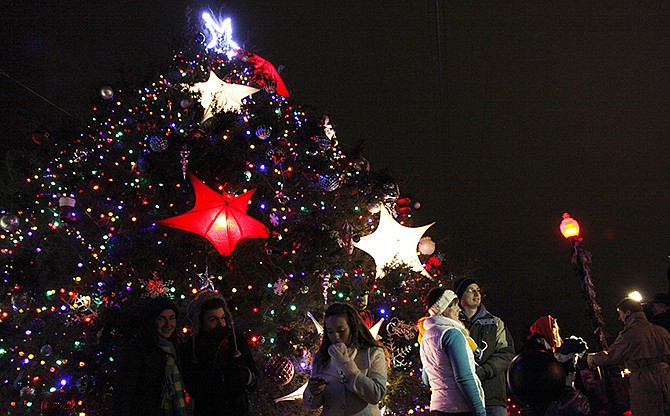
(222, 219)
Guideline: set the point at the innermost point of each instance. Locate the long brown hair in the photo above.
(360, 334)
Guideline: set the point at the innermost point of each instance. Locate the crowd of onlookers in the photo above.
(468, 359)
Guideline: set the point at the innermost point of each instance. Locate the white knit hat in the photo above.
(445, 300)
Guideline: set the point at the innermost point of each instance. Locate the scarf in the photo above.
(173, 386)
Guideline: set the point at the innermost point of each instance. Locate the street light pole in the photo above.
(581, 259)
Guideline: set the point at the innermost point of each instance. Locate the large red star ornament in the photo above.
(220, 218)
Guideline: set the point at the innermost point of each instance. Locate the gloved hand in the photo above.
(572, 345)
(589, 360)
(239, 375)
(339, 357)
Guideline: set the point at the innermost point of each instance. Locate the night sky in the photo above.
(497, 118)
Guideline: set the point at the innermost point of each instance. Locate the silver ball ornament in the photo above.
(46, 350)
(107, 93)
(158, 144)
(9, 222)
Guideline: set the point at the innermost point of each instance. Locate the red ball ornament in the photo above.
(40, 137)
(196, 134)
(368, 318)
(58, 403)
(280, 370)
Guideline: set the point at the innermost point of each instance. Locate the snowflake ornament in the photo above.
(280, 286)
(155, 287)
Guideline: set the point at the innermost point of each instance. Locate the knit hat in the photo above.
(438, 307)
(155, 306)
(461, 284)
(194, 310)
(150, 311)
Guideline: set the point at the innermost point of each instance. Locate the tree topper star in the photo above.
(222, 219)
(221, 35)
(218, 96)
(392, 243)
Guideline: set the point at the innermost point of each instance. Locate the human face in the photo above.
(166, 323)
(472, 297)
(623, 315)
(213, 318)
(556, 332)
(338, 330)
(452, 311)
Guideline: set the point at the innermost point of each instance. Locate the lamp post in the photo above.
(581, 259)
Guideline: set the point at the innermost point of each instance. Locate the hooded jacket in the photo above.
(449, 365)
(494, 354)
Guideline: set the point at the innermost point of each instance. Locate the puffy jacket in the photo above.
(449, 365)
(494, 354)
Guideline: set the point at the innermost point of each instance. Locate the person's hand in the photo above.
(338, 353)
(240, 375)
(316, 385)
(589, 360)
(339, 357)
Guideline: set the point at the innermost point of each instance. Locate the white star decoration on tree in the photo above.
(392, 243)
(219, 96)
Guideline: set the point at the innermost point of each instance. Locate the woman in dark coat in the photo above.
(219, 371)
(148, 380)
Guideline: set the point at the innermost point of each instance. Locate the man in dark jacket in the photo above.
(219, 371)
(495, 344)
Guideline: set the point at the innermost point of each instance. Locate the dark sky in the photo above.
(498, 118)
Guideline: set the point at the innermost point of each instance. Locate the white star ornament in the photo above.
(392, 243)
(217, 96)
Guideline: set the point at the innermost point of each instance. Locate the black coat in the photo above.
(217, 382)
(139, 380)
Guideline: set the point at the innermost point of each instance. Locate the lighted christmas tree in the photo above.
(209, 178)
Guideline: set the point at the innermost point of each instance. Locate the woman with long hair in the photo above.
(349, 369)
(148, 378)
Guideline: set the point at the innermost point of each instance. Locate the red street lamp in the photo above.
(581, 259)
(569, 226)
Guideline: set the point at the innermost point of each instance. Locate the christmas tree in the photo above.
(208, 178)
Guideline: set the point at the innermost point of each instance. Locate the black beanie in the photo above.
(461, 284)
(155, 306)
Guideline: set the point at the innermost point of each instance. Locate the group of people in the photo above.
(214, 366)
(465, 355)
(465, 351)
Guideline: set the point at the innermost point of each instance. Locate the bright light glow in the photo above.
(635, 296)
(221, 36)
(569, 226)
